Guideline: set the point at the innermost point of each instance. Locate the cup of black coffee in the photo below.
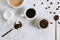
(43, 23)
(30, 13)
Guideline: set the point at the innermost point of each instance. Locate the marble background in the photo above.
(29, 31)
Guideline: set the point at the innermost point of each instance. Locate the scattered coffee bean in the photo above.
(57, 9)
(57, 2)
(47, 0)
(58, 6)
(51, 3)
(46, 8)
(50, 12)
(41, 2)
(51, 23)
(33, 4)
(54, 12)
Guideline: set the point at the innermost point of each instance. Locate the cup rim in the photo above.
(16, 6)
(39, 22)
(27, 17)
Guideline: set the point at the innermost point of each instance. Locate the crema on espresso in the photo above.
(15, 2)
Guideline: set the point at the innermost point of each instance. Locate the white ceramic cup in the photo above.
(8, 15)
(37, 22)
(15, 6)
(24, 15)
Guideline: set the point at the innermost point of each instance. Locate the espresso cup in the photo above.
(15, 3)
(30, 13)
(41, 23)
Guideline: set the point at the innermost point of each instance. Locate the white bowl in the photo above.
(16, 6)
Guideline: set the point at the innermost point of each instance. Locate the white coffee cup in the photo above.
(37, 22)
(32, 11)
(8, 15)
(15, 6)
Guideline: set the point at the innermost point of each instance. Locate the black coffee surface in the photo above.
(43, 23)
(16, 26)
(56, 17)
(30, 13)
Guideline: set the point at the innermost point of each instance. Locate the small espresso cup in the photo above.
(30, 13)
(15, 3)
(42, 23)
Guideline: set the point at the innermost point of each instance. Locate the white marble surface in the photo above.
(29, 31)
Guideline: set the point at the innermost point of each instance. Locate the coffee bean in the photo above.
(47, 0)
(54, 12)
(57, 2)
(50, 12)
(51, 23)
(33, 4)
(41, 2)
(51, 3)
(46, 8)
(57, 8)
